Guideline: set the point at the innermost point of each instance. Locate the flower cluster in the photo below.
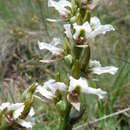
(74, 78)
(80, 29)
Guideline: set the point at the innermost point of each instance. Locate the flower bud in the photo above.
(73, 19)
(61, 106)
(69, 60)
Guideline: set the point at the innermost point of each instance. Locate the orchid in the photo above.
(49, 89)
(89, 30)
(82, 31)
(82, 85)
(16, 110)
(79, 86)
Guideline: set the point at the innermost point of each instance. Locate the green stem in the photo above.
(43, 19)
(65, 121)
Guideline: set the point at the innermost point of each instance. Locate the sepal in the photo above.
(85, 58)
(67, 46)
(76, 70)
(28, 104)
(29, 91)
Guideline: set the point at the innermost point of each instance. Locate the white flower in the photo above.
(51, 47)
(82, 85)
(96, 68)
(17, 108)
(81, 31)
(48, 90)
(98, 28)
(60, 6)
(90, 31)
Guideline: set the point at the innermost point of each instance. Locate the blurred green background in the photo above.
(23, 23)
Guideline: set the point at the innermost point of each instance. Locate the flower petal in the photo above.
(100, 93)
(54, 50)
(74, 83)
(60, 5)
(98, 28)
(52, 85)
(95, 21)
(18, 112)
(24, 123)
(94, 63)
(43, 100)
(56, 41)
(31, 113)
(55, 20)
(17, 108)
(74, 101)
(102, 29)
(48, 61)
(108, 69)
(67, 28)
(45, 93)
(96, 68)
(4, 105)
(82, 46)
